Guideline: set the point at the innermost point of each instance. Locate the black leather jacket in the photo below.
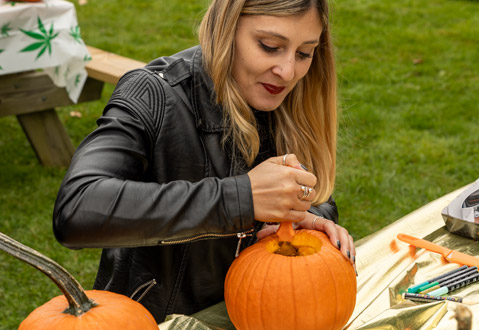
(153, 187)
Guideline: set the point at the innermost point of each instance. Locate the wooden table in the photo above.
(42, 56)
(32, 98)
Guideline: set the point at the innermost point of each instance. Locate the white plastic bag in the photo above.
(461, 215)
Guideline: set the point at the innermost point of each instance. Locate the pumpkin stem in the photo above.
(77, 299)
(285, 232)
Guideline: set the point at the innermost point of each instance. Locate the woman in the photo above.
(184, 162)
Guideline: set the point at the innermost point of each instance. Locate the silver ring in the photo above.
(284, 161)
(313, 222)
(306, 193)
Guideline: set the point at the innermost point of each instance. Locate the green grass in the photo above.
(408, 87)
(408, 81)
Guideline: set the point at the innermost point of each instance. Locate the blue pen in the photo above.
(454, 286)
(414, 289)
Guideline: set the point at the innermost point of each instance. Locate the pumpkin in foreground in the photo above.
(77, 309)
(111, 311)
(312, 286)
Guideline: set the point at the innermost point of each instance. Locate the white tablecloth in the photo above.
(44, 35)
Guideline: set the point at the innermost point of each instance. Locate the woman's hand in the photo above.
(338, 235)
(281, 189)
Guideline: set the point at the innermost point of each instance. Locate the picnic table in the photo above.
(44, 64)
(386, 267)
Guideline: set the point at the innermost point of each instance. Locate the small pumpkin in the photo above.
(77, 309)
(297, 281)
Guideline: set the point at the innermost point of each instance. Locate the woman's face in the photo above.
(272, 54)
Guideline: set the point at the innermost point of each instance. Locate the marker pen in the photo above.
(448, 279)
(454, 286)
(415, 288)
(428, 298)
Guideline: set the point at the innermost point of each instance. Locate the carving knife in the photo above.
(450, 255)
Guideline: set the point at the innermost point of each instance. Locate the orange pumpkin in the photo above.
(111, 311)
(313, 289)
(77, 309)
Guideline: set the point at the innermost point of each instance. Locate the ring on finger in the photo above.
(313, 222)
(284, 161)
(306, 192)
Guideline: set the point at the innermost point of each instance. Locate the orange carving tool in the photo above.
(450, 255)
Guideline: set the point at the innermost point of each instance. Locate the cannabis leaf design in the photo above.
(75, 34)
(44, 37)
(4, 30)
(77, 80)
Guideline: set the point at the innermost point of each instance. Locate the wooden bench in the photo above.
(109, 67)
(32, 98)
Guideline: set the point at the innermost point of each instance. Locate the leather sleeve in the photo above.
(105, 201)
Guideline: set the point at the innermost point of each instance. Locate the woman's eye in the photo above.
(268, 48)
(303, 55)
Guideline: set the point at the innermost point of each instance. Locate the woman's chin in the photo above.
(265, 106)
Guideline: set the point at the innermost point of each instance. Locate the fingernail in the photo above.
(348, 254)
(304, 167)
(339, 245)
(272, 223)
(354, 259)
(356, 272)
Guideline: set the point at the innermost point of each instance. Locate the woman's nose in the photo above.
(285, 68)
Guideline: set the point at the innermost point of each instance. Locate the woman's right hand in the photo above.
(277, 189)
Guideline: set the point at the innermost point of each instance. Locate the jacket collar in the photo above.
(187, 66)
(209, 113)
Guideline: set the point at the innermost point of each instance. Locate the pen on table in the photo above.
(454, 286)
(428, 298)
(415, 288)
(448, 279)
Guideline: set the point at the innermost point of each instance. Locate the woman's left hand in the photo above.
(338, 235)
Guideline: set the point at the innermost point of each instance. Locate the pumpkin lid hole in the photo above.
(302, 244)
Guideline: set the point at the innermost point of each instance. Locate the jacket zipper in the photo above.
(240, 236)
(149, 286)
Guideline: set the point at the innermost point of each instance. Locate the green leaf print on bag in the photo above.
(4, 30)
(44, 38)
(75, 34)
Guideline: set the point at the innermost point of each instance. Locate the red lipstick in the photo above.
(272, 89)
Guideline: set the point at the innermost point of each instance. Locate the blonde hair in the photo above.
(306, 121)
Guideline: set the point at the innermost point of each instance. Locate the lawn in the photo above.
(408, 128)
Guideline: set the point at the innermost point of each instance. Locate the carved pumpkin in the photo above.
(313, 286)
(77, 309)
